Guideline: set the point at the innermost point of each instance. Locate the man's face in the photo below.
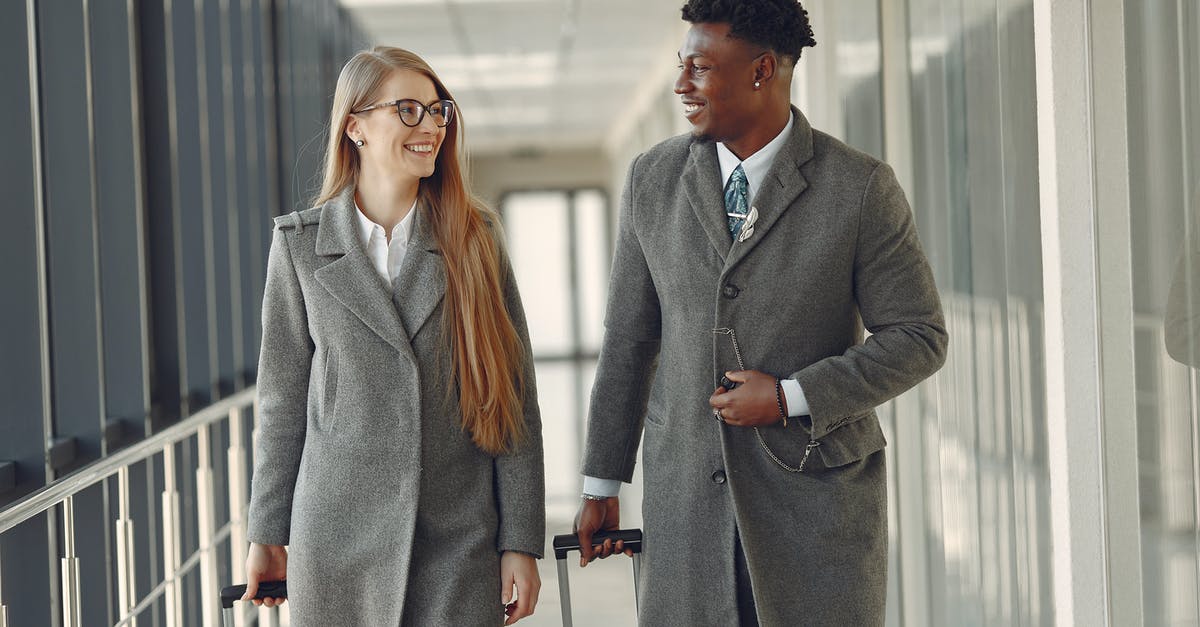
(716, 83)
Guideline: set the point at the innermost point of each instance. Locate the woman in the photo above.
(399, 455)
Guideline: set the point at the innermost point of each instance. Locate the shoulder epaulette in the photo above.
(298, 219)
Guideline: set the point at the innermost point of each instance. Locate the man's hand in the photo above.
(595, 516)
(752, 403)
(518, 570)
(264, 562)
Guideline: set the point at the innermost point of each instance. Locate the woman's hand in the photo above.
(519, 570)
(264, 562)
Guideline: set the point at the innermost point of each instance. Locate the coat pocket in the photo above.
(327, 407)
(849, 443)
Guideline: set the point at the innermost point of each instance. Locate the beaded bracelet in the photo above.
(779, 401)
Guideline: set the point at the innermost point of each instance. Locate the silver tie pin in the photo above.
(748, 226)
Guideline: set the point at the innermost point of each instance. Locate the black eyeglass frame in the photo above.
(448, 107)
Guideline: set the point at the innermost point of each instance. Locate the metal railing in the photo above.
(61, 494)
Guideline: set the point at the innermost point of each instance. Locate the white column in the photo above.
(126, 577)
(237, 502)
(173, 595)
(206, 526)
(1083, 181)
(71, 616)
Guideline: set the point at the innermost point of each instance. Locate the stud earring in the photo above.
(359, 143)
(756, 84)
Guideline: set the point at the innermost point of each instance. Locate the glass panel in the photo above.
(556, 390)
(858, 76)
(983, 439)
(1163, 98)
(592, 263)
(536, 225)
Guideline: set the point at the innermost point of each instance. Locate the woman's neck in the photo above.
(385, 200)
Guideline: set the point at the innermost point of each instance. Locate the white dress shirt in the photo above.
(385, 256)
(756, 167)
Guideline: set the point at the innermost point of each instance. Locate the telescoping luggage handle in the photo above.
(230, 594)
(570, 542)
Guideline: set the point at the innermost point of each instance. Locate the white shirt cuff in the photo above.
(797, 404)
(601, 487)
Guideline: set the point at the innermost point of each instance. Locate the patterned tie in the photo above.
(737, 201)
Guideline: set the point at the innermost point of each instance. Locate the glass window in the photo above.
(1163, 99)
(986, 541)
(559, 243)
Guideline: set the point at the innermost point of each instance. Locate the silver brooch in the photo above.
(748, 225)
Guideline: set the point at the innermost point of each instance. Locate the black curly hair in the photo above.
(779, 25)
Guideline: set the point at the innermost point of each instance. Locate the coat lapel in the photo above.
(780, 188)
(422, 280)
(350, 278)
(701, 181)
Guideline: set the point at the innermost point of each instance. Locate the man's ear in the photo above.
(766, 67)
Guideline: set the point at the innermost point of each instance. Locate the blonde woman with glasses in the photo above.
(399, 457)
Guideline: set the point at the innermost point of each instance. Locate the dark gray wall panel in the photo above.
(160, 216)
(21, 423)
(191, 207)
(70, 237)
(122, 242)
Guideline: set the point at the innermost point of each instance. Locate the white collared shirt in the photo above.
(385, 256)
(756, 167)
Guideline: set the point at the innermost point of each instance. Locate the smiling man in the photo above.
(751, 255)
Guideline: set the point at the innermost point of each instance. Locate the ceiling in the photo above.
(534, 75)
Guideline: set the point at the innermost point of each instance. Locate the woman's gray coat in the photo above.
(392, 515)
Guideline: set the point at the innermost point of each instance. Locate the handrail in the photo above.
(55, 493)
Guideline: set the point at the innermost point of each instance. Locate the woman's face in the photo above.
(391, 146)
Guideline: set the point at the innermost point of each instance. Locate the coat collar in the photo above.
(780, 188)
(421, 284)
(353, 281)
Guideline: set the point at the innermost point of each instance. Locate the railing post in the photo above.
(237, 502)
(267, 616)
(207, 527)
(70, 567)
(3, 607)
(126, 581)
(173, 595)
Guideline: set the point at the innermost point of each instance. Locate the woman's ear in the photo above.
(353, 129)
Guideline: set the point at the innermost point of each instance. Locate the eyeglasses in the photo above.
(412, 112)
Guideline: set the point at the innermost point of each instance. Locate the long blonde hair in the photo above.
(487, 355)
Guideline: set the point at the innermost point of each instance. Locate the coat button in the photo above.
(718, 477)
(730, 291)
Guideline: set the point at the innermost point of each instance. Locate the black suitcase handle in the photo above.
(570, 542)
(266, 589)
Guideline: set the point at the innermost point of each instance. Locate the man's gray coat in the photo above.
(834, 249)
(392, 514)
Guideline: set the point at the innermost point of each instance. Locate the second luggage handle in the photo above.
(566, 543)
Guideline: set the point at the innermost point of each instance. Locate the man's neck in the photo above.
(762, 134)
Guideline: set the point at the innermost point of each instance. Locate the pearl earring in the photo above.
(359, 143)
(756, 84)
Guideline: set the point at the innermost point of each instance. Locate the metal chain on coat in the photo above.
(737, 352)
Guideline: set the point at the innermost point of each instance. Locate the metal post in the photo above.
(173, 595)
(209, 589)
(70, 567)
(126, 585)
(3, 607)
(237, 502)
(637, 579)
(564, 592)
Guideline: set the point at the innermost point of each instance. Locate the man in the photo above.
(756, 249)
